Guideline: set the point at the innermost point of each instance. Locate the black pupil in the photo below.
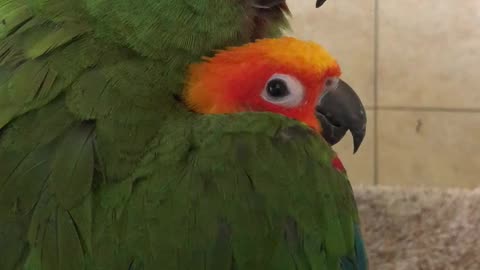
(277, 88)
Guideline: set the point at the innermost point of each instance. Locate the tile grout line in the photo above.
(375, 91)
(423, 109)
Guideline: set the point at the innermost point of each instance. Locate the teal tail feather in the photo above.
(360, 261)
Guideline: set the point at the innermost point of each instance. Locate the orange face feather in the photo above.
(237, 79)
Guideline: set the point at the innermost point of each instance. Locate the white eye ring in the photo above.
(283, 90)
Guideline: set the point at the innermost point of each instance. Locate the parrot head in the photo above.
(287, 76)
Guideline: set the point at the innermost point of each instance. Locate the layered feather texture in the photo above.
(101, 167)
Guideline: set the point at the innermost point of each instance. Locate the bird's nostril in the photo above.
(331, 83)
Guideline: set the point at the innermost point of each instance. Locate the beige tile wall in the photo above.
(416, 65)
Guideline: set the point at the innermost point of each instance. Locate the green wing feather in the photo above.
(101, 167)
(237, 194)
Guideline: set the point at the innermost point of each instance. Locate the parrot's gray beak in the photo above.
(267, 4)
(340, 109)
(320, 3)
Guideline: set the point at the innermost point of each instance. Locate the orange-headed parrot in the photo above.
(292, 171)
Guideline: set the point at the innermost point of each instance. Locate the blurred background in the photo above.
(416, 66)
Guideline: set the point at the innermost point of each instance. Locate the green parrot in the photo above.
(102, 166)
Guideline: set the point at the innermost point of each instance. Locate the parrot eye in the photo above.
(283, 90)
(277, 88)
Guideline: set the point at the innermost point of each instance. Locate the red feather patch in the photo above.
(337, 164)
